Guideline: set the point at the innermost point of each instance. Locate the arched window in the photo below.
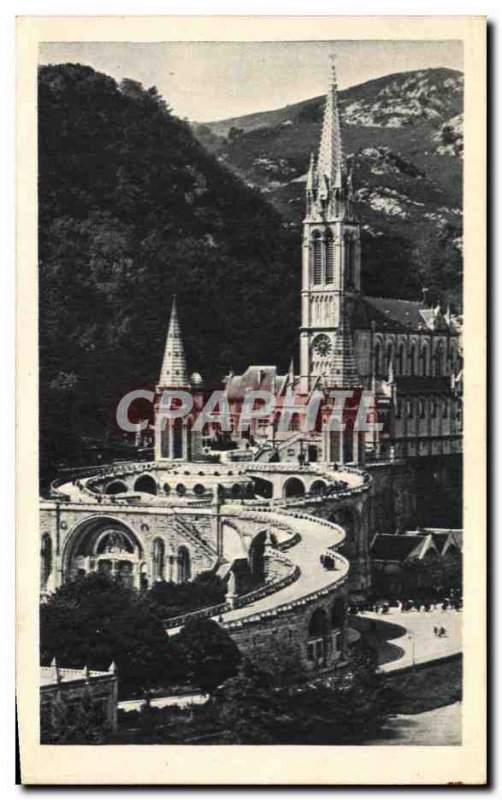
(438, 361)
(184, 567)
(145, 483)
(330, 255)
(45, 559)
(349, 251)
(378, 358)
(423, 360)
(388, 358)
(421, 407)
(158, 560)
(317, 257)
(400, 359)
(412, 359)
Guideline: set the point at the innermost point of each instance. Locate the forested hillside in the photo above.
(132, 209)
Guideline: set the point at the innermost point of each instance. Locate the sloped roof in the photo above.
(394, 547)
(389, 313)
(264, 378)
(174, 372)
(440, 540)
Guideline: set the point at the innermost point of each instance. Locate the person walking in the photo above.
(436, 630)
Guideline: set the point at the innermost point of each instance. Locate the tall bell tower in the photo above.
(331, 261)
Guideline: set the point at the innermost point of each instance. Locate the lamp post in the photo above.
(412, 640)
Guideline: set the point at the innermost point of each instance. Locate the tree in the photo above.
(255, 707)
(234, 133)
(95, 620)
(207, 654)
(131, 209)
(80, 723)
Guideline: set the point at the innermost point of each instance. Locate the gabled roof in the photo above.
(442, 537)
(440, 540)
(394, 546)
(389, 313)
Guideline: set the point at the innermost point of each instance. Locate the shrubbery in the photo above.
(95, 620)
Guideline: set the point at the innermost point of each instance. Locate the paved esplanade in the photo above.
(418, 643)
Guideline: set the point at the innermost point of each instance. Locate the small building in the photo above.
(410, 561)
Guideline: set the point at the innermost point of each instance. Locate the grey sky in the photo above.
(213, 80)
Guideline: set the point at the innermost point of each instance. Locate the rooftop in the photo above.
(389, 313)
(395, 547)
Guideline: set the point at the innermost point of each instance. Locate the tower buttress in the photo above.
(174, 438)
(330, 260)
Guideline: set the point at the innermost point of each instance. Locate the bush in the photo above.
(207, 653)
(95, 620)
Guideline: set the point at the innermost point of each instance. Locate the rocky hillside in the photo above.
(403, 133)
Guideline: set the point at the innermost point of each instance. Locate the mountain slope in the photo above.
(403, 134)
(131, 210)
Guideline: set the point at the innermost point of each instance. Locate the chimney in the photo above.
(425, 292)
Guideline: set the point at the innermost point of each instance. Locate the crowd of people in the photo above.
(407, 605)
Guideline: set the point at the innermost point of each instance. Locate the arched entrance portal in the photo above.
(116, 487)
(294, 487)
(318, 487)
(105, 545)
(233, 546)
(256, 558)
(263, 488)
(145, 483)
(318, 639)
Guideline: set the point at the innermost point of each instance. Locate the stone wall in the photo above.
(422, 492)
(287, 633)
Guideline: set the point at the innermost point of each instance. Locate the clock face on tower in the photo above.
(322, 345)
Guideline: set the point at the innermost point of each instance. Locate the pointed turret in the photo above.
(291, 368)
(55, 670)
(330, 161)
(174, 372)
(311, 175)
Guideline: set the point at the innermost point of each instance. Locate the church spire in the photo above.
(174, 372)
(330, 161)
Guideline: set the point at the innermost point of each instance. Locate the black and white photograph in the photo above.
(251, 322)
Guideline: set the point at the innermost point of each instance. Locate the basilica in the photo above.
(407, 354)
(285, 517)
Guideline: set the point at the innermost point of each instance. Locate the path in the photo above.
(419, 645)
(439, 727)
(181, 700)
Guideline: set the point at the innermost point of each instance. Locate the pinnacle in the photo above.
(174, 372)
